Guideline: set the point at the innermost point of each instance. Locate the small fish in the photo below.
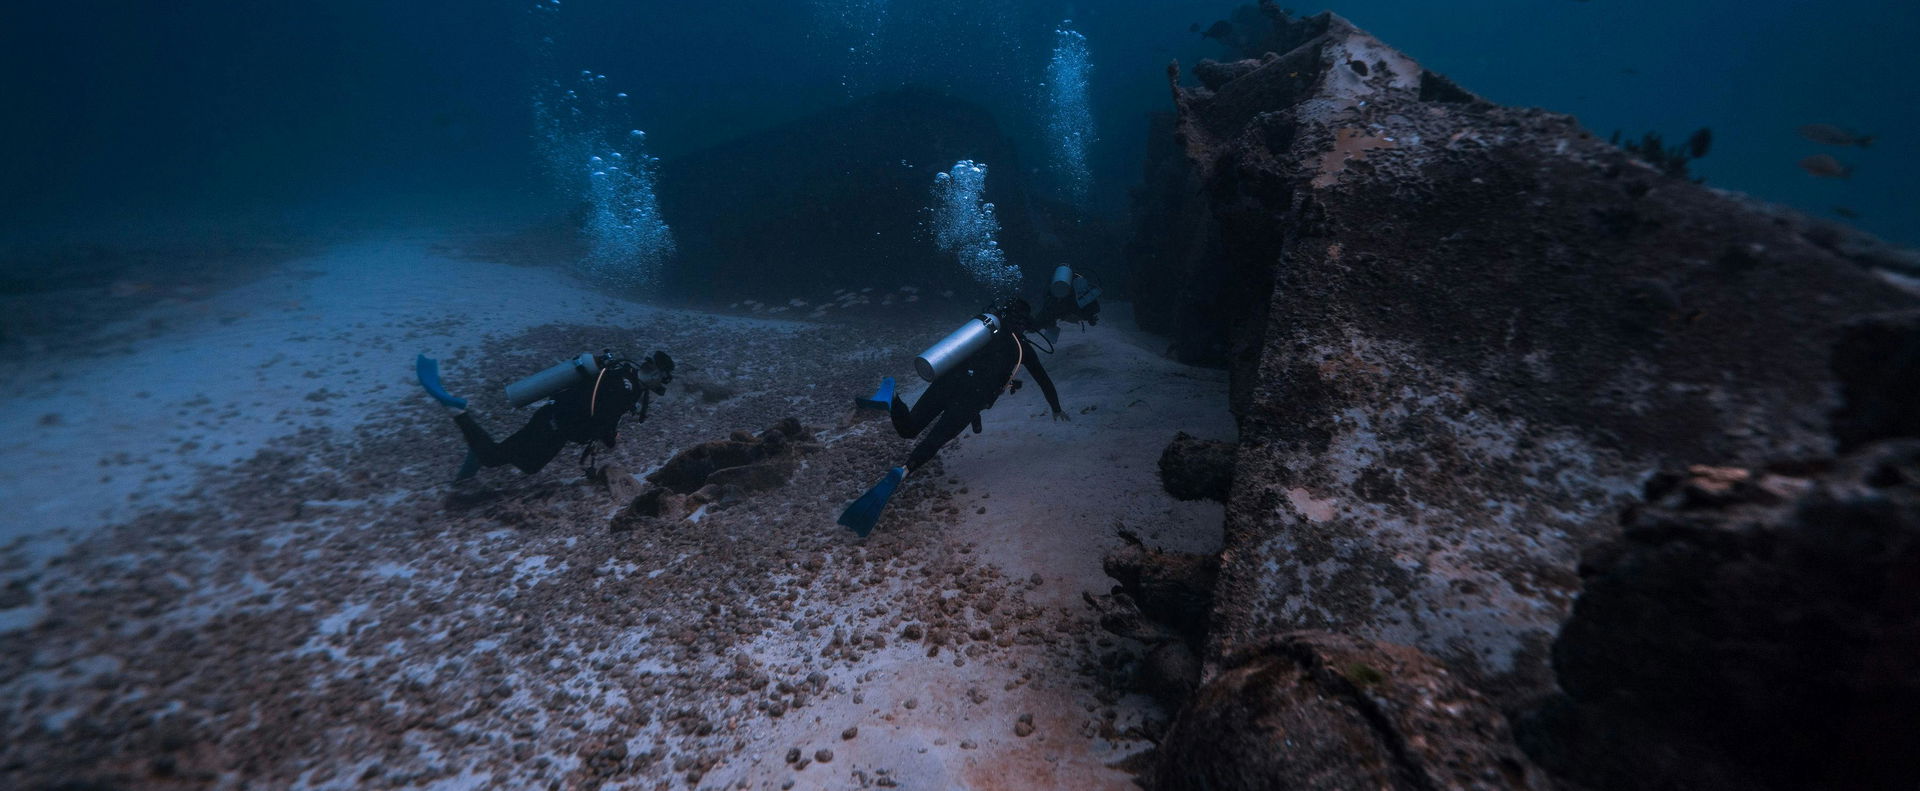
(1846, 212)
(1828, 134)
(1219, 30)
(1826, 167)
(1700, 142)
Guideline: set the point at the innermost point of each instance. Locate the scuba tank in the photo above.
(1067, 282)
(954, 349)
(553, 380)
(1062, 281)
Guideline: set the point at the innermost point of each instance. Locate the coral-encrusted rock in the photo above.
(1162, 600)
(687, 471)
(1460, 336)
(693, 468)
(657, 502)
(1750, 629)
(1313, 710)
(756, 477)
(719, 473)
(1197, 469)
(1173, 588)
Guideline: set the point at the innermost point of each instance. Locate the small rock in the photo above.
(823, 755)
(850, 732)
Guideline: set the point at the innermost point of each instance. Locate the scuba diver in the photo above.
(968, 370)
(1071, 297)
(589, 394)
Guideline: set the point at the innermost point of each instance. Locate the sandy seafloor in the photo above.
(230, 556)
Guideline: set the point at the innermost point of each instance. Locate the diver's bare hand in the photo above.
(1059, 415)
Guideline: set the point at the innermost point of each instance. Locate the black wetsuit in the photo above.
(955, 399)
(574, 415)
(1054, 310)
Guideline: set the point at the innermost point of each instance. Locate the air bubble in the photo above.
(1069, 113)
(965, 226)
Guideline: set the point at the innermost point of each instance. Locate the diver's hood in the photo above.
(656, 371)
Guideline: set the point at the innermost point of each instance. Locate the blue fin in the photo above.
(428, 369)
(864, 513)
(468, 468)
(880, 399)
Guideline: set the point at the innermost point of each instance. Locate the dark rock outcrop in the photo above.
(1751, 629)
(1312, 710)
(1878, 365)
(1461, 335)
(1162, 601)
(1197, 469)
(1173, 588)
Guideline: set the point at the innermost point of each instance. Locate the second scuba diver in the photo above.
(968, 371)
(1070, 297)
(589, 395)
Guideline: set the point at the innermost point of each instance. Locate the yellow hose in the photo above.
(593, 402)
(1019, 359)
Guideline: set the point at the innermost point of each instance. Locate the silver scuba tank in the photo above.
(1062, 281)
(954, 349)
(1084, 291)
(553, 380)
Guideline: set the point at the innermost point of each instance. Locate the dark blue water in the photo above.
(149, 117)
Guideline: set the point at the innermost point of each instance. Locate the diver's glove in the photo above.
(1061, 414)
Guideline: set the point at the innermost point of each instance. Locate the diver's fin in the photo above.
(864, 513)
(468, 468)
(881, 398)
(428, 369)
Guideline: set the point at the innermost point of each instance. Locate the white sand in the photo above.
(232, 373)
(1054, 495)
